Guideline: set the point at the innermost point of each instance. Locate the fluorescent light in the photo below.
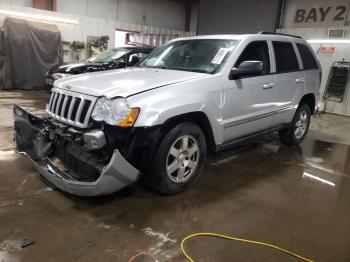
(45, 18)
(329, 41)
(324, 181)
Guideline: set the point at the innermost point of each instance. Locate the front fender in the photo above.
(159, 105)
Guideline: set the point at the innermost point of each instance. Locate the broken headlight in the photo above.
(115, 112)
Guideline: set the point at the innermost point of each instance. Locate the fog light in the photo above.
(94, 140)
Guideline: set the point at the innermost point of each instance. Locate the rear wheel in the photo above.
(295, 134)
(179, 159)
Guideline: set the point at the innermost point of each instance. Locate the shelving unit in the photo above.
(337, 81)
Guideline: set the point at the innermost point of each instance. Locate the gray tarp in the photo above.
(27, 50)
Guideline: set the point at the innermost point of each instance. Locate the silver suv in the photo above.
(158, 120)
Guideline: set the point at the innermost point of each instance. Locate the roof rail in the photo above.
(274, 33)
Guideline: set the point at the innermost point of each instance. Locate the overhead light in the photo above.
(44, 18)
(324, 181)
(329, 41)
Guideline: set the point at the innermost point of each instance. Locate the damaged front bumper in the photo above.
(32, 142)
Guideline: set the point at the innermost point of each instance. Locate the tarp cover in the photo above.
(27, 50)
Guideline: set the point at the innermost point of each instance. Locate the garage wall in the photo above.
(315, 13)
(237, 16)
(91, 26)
(27, 3)
(163, 13)
(313, 19)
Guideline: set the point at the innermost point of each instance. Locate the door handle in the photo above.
(268, 85)
(299, 80)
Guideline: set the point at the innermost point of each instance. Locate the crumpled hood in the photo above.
(124, 82)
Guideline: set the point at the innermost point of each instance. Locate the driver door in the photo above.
(249, 106)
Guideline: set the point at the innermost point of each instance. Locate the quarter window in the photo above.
(286, 59)
(307, 57)
(256, 51)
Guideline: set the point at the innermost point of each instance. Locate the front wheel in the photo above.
(295, 134)
(179, 159)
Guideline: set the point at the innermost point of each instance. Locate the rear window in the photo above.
(308, 59)
(286, 59)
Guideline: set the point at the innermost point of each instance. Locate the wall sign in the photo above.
(327, 49)
(315, 13)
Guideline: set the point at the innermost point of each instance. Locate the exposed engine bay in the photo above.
(79, 155)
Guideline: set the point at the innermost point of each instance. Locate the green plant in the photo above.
(78, 45)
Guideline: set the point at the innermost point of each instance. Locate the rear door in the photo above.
(312, 71)
(248, 108)
(290, 81)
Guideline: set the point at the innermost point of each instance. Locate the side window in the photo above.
(308, 59)
(256, 51)
(286, 59)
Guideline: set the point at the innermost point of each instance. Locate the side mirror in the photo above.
(120, 64)
(246, 68)
(134, 61)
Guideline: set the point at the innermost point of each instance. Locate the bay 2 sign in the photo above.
(321, 14)
(315, 13)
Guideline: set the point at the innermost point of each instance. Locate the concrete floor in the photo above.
(296, 198)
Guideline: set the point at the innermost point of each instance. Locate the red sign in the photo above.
(327, 49)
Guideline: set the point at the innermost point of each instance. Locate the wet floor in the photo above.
(296, 198)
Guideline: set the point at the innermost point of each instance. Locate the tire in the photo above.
(299, 127)
(176, 168)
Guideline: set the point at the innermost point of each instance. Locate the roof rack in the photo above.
(273, 33)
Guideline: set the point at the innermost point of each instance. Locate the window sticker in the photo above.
(220, 55)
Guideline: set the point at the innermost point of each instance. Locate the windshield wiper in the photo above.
(157, 67)
(179, 68)
(190, 70)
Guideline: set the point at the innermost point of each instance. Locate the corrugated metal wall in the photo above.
(90, 26)
(237, 16)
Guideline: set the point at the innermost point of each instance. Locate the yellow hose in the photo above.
(236, 239)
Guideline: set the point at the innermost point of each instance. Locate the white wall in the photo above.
(315, 13)
(106, 9)
(90, 26)
(27, 3)
(159, 13)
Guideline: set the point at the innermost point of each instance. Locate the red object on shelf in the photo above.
(49, 5)
(327, 49)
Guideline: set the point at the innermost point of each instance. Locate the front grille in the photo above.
(70, 107)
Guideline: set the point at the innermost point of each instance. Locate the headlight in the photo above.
(59, 76)
(115, 112)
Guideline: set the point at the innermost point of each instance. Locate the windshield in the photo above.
(108, 56)
(199, 55)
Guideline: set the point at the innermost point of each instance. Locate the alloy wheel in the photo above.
(182, 159)
(301, 125)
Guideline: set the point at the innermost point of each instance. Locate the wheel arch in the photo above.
(199, 118)
(310, 100)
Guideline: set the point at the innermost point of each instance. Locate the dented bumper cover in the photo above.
(117, 174)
